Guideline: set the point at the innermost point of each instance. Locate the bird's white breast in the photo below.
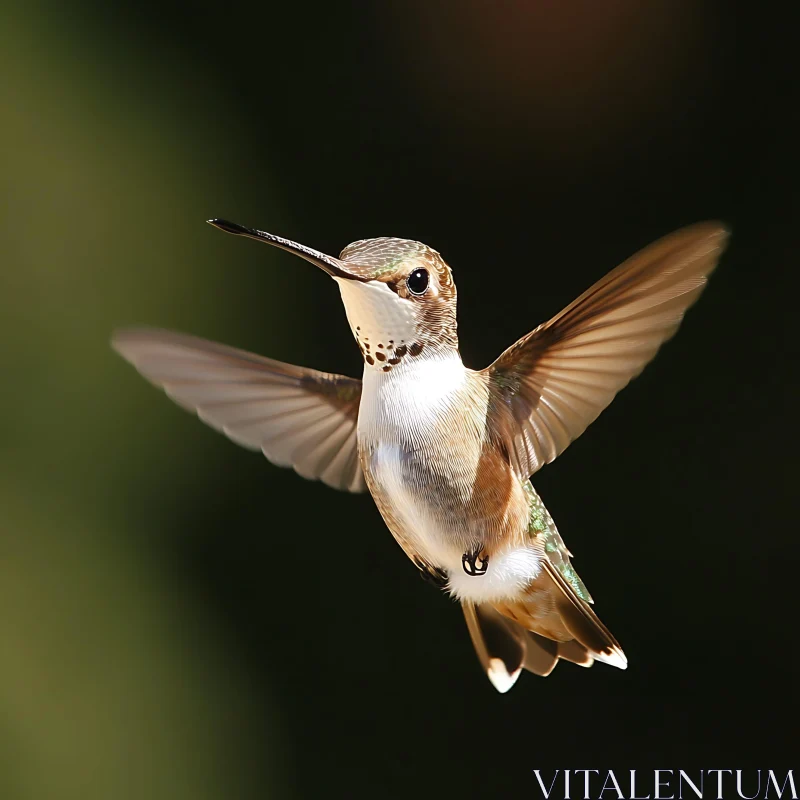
(421, 429)
(404, 418)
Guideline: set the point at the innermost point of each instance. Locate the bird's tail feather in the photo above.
(505, 648)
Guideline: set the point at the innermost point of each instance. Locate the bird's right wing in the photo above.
(298, 417)
(550, 385)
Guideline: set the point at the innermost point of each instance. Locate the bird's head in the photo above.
(398, 294)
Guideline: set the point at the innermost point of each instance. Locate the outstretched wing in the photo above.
(549, 386)
(298, 417)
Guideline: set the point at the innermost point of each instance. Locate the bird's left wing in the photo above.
(549, 386)
(298, 417)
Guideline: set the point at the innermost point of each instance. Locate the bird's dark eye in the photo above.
(417, 281)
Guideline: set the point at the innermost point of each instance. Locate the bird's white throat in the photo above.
(376, 314)
(415, 400)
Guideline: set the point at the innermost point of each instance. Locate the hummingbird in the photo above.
(448, 452)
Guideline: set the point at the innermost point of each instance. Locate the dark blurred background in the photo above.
(171, 626)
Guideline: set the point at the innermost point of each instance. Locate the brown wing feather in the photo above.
(550, 385)
(298, 417)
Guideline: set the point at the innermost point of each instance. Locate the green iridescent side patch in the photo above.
(541, 525)
(540, 519)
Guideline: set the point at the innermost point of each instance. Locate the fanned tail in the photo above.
(549, 623)
(505, 648)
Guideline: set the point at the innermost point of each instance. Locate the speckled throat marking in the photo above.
(387, 356)
(383, 324)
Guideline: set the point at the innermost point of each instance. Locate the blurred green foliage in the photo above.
(113, 684)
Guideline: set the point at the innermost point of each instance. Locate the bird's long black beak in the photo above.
(333, 266)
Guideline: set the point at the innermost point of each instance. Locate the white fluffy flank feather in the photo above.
(507, 575)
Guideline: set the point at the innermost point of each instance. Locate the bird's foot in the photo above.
(476, 562)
